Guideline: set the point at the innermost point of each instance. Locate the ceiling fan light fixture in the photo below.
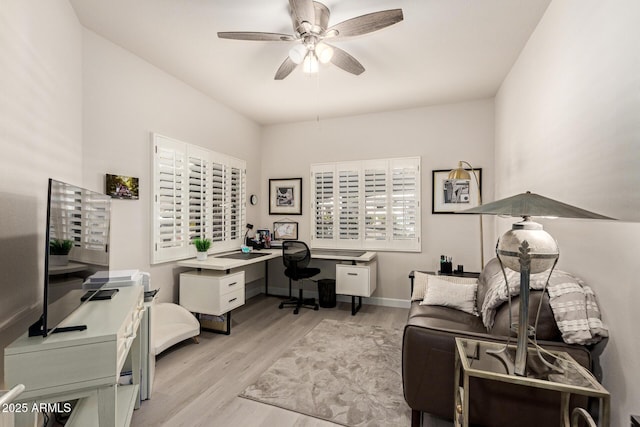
(310, 64)
(298, 53)
(324, 53)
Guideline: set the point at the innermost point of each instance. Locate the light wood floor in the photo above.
(198, 384)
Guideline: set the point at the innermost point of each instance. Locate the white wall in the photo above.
(126, 98)
(40, 137)
(440, 135)
(567, 127)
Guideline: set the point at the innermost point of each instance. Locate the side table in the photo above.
(472, 360)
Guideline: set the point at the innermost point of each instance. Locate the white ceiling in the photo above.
(444, 51)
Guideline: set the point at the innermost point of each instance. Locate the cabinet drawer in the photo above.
(210, 292)
(231, 300)
(231, 283)
(357, 280)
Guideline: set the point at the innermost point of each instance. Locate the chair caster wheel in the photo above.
(295, 311)
(315, 308)
(281, 306)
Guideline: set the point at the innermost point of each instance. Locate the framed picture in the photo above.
(285, 196)
(285, 230)
(263, 233)
(121, 187)
(455, 195)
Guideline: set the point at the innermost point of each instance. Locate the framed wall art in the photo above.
(285, 230)
(122, 187)
(455, 195)
(285, 196)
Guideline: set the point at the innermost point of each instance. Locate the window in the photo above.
(197, 193)
(370, 204)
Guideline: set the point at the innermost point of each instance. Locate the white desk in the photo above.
(84, 364)
(220, 263)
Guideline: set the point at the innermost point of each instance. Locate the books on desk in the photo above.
(276, 243)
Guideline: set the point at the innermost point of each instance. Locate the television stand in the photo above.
(85, 365)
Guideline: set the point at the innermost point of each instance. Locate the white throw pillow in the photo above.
(460, 296)
(421, 283)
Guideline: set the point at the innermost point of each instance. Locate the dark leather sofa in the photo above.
(428, 353)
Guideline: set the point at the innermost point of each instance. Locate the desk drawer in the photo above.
(230, 301)
(210, 292)
(357, 280)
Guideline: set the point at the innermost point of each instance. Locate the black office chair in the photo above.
(296, 256)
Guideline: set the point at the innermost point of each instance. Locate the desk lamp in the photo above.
(529, 249)
(244, 241)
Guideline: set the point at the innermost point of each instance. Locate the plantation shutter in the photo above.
(236, 205)
(375, 202)
(348, 201)
(170, 231)
(405, 207)
(218, 185)
(200, 195)
(371, 204)
(197, 193)
(323, 203)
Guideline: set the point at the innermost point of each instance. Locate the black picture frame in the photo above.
(454, 197)
(285, 196)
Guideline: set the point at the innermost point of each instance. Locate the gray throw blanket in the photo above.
(573, 304)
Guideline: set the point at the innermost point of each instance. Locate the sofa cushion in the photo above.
(421, 283)
(455, 295)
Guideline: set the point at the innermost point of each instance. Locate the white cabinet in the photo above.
(211, 292)
(356, 280)
(84, 364)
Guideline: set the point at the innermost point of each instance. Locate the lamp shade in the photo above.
(531, 204)
(459, 173)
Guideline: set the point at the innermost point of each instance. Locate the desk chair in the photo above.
(296, 256)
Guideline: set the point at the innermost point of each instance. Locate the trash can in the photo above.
(327, 293)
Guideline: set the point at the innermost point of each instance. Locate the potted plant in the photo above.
(202, 246)
(59, 251)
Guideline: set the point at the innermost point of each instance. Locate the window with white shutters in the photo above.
(370, 204)
(198, 193)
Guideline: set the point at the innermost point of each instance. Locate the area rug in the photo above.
(342, 372)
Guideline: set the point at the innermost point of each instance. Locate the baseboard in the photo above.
(383, 302)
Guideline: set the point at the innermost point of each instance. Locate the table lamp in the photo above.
(529, 249)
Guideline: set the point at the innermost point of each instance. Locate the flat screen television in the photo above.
(77, 249)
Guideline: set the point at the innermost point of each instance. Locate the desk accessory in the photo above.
(529, 249)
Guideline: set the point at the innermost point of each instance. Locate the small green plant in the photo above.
(202, 245)
(60, 246)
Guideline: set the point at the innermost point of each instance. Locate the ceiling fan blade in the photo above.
(366, 23)
(302, 11)
(345, 61)
(257, 36)
(285, 69)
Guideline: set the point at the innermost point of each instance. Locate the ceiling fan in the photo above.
(310, 30)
